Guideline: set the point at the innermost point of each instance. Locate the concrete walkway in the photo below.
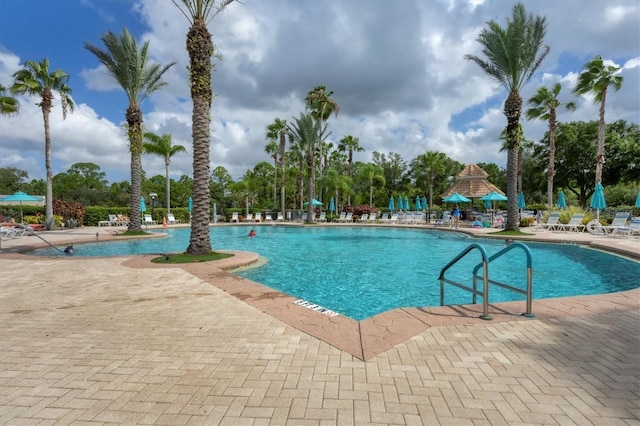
(118, 340)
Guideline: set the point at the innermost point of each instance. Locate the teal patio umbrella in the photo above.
(190, 207)
(332, 205)
(313, 202)
(638, 200)
(407, 207)
(391, 204)
(19, 197)
(143, 205)
(418, 203)
(456, 198)
(424, 202)
(597, 200)
(562, 202)
(520, 201)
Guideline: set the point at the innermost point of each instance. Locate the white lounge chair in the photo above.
(364, 218)
(249, 217)
(322, 217)
(552, 223)
(341, 218)
(373, 218)
(575, 224)
(619, 220)
(234, 217)
(280, 218)
(267, 218)
(258, 217)
(394, 218)
(384, 218)
(349, 217)
(148, 220)
(630, 230)
(171, 219)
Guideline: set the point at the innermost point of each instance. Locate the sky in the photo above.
(397, 70)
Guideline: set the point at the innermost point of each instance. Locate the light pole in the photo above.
(153, 196)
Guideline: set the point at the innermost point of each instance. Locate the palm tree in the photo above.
(372, 175)
(161, 145)
(272, 148)
(200, 48)
(596, 78)
(339, 183)
(544, 105)
(319, 102)
(307, 132)
(36, 80)
(278, 129)
(428, 166)
(513, 54)
(8, 104)
(130, 67)
(350, 145)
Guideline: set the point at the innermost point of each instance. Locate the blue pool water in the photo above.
(363, 271)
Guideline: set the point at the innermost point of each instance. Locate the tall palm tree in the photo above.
(596, 78)
(272, 148)
(8, 104)
(200, 48)
(129, 66)
(372, 175)
(427, 167)
(319, 102)
(544, 105)
(350, 144)
(161, 145)
(513, 54)
(307, 132)
(36, 80)
(278, 129)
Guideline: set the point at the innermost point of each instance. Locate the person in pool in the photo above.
(252, 233)
(69, 250)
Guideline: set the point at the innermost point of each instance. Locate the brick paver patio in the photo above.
(87, 341)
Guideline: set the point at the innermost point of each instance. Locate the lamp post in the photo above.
(153, 196)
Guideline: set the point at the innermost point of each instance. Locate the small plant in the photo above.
(49, 223)
(70, 223)
(524, 222)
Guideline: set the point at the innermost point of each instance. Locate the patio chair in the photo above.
(234, 217)
(341, 218)
(373, 217)
(322, 217)
(280, 218)
(619, 220)
(630, 230)
(575, 224)
(384, 218)
(552, 223)
(349, 217)
(364, 218)
(171, 219)
(394, 218)
(258, 217)
(249, 217)
(148, 220)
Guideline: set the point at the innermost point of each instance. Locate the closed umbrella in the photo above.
(20, 197)
(407, 207)
(190, 207)
(332, 205)
(562, 202)
(391, 204)
(520, 201)
(424, 202)
(638, 200)
(597, 200)
(418, 203)
(143, 205)
(400, 202)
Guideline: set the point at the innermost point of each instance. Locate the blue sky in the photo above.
(397, 70)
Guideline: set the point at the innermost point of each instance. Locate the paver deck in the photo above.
(117, 340)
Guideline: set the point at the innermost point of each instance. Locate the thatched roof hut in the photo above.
(472, 182)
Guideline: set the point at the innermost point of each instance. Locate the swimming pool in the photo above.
(363, 271)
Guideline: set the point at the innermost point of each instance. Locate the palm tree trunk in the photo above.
(311, 185)
(134, 121)
(167, 185)
(551, 169)
(47, 164)
(600, 151)
(512, 110)
(200, 48)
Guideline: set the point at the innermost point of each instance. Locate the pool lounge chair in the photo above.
(575, 224)
(258, 217)
(349, 218)
(384, 218)
(619, 220)
(280, 218)
(248, 218)
(234, 217)
(632, 229)
(394, 218)
(171, 219)
(341, 218)
(373, 218)
(363, 218)
(322, 217)
(552, 223)
(148, 220)
(267, 218)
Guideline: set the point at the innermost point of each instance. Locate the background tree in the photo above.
(278, 130)
(306, 132)
(8, 104)
(395, 172)
(161, 146)
(372, 176)
(596, 78)
(321, 105)
(544, 105)
(425, 168)
(221, 182)
(12, 179)
(272, 149)
(36, 80)
(513, 54)
(350, 144)
(200, 48)
(130, 67)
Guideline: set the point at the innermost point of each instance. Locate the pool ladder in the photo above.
(484, 265)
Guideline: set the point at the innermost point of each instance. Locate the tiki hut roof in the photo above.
(472, 183)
